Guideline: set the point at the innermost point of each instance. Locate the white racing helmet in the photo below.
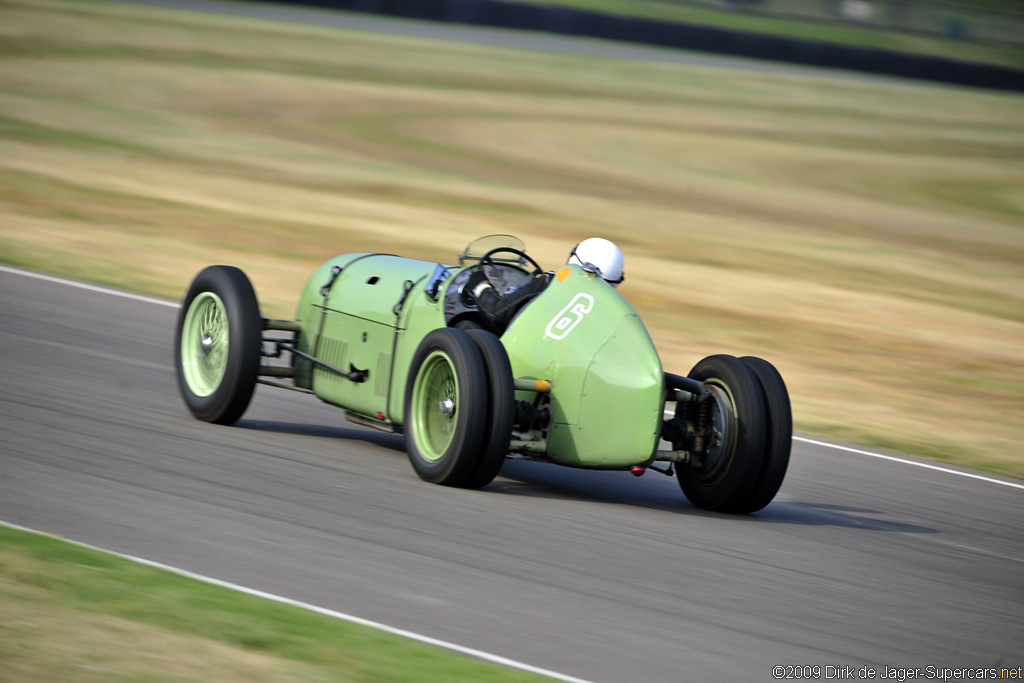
(602, 255)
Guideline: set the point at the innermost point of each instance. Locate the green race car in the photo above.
(573, 379)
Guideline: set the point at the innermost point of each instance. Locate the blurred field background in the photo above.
(864, 236)
(988, 31)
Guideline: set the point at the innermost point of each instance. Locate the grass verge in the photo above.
(69, 613)
(866, 237)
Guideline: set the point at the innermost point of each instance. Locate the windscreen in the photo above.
(480, 246)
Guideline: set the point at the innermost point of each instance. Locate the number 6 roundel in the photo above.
(570, 316)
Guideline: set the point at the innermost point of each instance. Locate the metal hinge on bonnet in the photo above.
(326, 289)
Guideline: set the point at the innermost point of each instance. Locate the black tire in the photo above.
(444, 441)
(730, 471)
(468, 324)
(501, 409)
(778, 441)
(217, 347)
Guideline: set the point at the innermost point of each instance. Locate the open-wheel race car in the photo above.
(573, 378)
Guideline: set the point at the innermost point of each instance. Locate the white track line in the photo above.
(478, 654)
(908, 462)
(161, 302)
(91, 288)
(372, 624)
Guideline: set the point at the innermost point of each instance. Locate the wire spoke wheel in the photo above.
(204, 344)
(217, 347)
(436, 398)
(445, 408)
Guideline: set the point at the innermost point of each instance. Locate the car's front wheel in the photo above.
(217, 346)
(446, 408)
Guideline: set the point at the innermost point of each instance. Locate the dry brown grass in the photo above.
(54, 644)
(46, 638)
(73, 614)
(866, 238)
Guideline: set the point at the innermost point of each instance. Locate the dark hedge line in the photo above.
(565, 21)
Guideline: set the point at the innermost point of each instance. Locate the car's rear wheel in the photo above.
(501, 409)
(732, 459)
(468, 324)
(217, 346)
(778, 441)
(445, 408)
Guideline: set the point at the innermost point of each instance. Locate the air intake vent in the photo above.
(331, 351)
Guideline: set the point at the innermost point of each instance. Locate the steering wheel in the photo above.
(488, 260)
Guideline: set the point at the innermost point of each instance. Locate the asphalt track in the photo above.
(859, 561)
(598, 575)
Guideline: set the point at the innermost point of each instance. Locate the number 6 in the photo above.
(570, 316)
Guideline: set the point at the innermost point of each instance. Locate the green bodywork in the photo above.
(607, 384)
(373, 317)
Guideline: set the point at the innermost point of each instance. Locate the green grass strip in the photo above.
(73, 612)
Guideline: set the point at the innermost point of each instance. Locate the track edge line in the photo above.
(161, 302)
(411, 635)
(88, 287)
(907, 462)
